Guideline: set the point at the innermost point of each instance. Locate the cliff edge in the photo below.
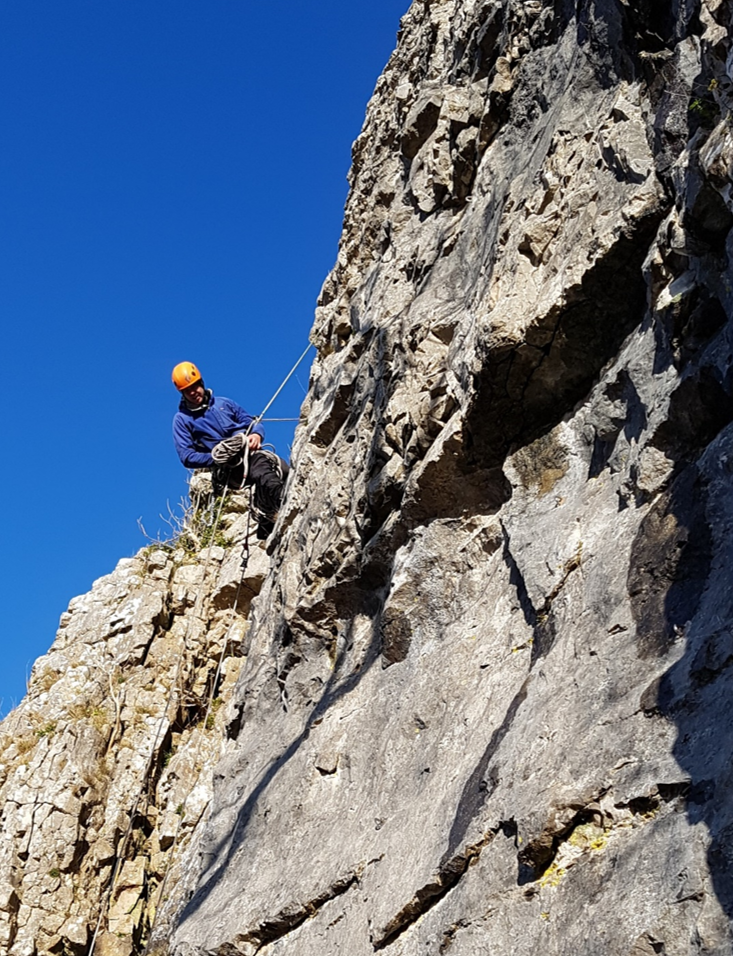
(485, 704)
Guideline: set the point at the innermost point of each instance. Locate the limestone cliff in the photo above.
(484, 705)
(105, 767)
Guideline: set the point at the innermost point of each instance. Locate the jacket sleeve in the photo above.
(245, 419)
(182, 439)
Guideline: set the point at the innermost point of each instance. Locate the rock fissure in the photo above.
(576, 832)
(287, 921)
(428, 896)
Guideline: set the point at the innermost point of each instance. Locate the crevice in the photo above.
(670, 563)
(585, 828)
(573, 343)
(539, 619)
(649, 804)
(516, 578)
(279, 926)
(450, 934)
(447, 878)
(483, 781)
(291, 661)
(539, 855)
(544, 632)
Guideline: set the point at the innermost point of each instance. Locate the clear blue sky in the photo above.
(172, 182)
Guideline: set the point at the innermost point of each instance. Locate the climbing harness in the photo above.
(159, 734)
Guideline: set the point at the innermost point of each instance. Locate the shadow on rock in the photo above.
(679, 591)
(223, 852)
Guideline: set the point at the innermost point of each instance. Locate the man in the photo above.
(216, 433)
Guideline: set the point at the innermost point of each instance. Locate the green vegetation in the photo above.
(194, 526)
(704, 107)
(47, 730)
(215, 705)
(167, 546)
(45, 681)
(79, 711)
(705, 110)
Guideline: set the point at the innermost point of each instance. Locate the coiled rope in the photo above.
(229, 448)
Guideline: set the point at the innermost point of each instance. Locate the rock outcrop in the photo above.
(106, 766)
(484, 704)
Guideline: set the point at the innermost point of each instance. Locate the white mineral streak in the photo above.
(485, 704)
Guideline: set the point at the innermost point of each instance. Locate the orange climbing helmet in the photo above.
(185, 374)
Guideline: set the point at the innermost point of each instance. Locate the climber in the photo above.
(216, 433)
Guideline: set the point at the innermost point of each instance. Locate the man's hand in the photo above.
(254, 441)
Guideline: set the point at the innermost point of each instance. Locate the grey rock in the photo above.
(106, 766)
(481, 701)
(484, 705)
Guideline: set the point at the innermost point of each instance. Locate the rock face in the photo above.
(486, 705)
(485, 700)
(105, 768)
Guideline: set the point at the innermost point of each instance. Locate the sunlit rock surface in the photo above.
(106, 766)
(486, 706)
(484, 702)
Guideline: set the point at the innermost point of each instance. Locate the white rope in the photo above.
(228, 448)
(284, 383)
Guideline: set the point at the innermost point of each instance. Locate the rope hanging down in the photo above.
(158, 739)
(225, 643)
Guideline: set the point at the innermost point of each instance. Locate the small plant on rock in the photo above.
(47, 730)
(193, 523)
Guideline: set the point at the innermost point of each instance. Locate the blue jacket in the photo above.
(195, 431)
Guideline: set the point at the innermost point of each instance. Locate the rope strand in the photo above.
(284, 383)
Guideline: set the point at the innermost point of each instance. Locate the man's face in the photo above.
(194, 394)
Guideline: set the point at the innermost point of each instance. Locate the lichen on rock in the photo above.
(106, 765)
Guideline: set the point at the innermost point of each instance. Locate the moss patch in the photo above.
(542, 464)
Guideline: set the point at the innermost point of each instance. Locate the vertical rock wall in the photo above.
(486, 703)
